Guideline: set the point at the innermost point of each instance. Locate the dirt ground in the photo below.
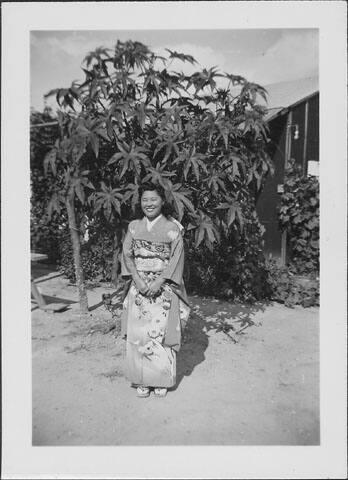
(262, 390)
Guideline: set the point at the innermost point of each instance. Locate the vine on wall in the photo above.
(299, 217)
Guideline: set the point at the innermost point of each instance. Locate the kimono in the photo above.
(152, 325)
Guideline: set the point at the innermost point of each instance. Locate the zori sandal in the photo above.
(160, 392)
(143, 392)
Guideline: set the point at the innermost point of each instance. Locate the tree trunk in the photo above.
(76, 245)
(115, 260)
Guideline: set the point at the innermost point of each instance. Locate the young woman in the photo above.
(156, 304)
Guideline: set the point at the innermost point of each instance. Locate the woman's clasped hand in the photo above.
(149, 290)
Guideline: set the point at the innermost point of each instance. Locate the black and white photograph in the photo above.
(175, 237)
(174, 226)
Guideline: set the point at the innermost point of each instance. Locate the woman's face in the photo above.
(151, 204)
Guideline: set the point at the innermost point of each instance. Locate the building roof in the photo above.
(283, 95)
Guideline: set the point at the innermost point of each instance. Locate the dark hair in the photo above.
(151, 187)
(167, 209)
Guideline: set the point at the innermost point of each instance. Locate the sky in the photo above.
(263, 56)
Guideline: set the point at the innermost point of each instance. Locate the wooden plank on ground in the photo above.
(55, 307)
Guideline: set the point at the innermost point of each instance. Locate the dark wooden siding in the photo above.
(313, 129)
(298, 120)
(269, 199)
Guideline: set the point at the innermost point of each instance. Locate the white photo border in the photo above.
(19, 458)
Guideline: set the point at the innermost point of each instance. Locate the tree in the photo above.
(201, 136)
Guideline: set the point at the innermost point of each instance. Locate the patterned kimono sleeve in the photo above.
(127, 259)
(175, 268)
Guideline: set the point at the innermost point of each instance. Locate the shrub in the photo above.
(236, 268)
(44, 228)
(291, 290)
(96, 253)
(44, 232)
(299, 217)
